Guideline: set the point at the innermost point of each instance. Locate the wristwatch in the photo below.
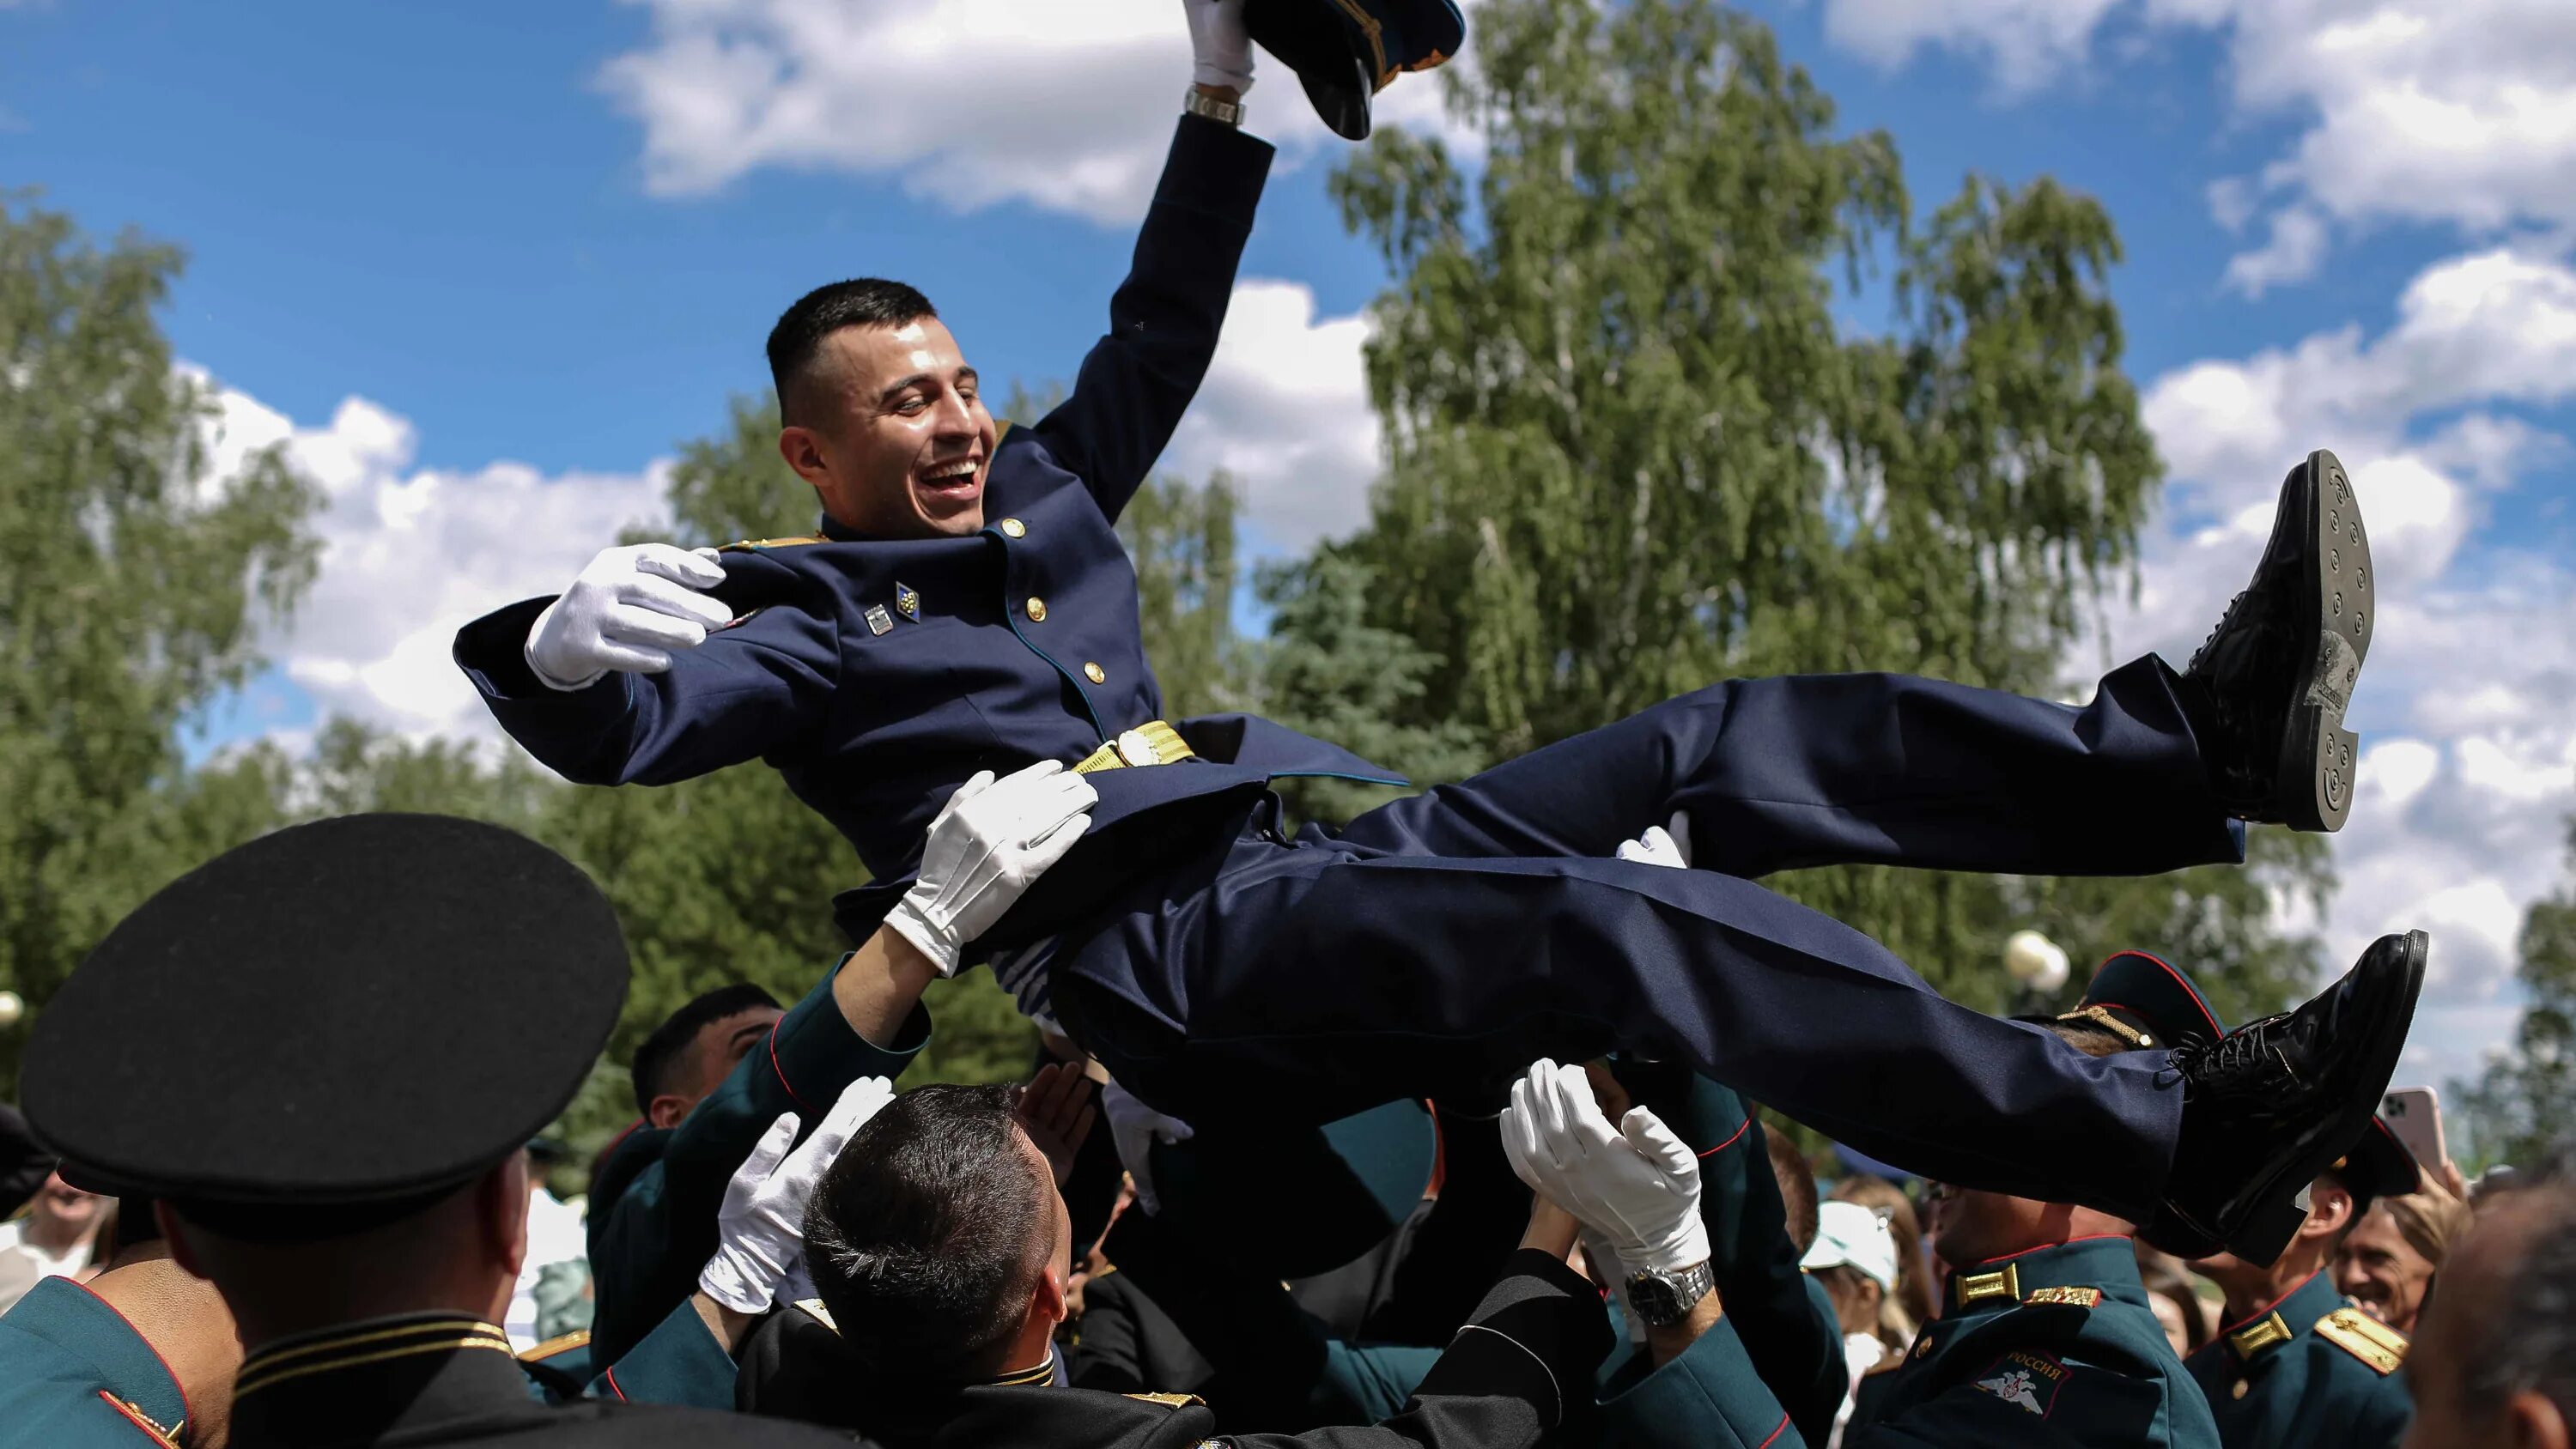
(1664, 1299)
(1197, 102)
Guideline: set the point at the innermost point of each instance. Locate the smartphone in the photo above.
(2415, 1115)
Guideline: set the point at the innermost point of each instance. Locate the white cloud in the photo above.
(2460, 113)
(2468, 702)
(1066, 105)
(409, 554)
(1286, 410)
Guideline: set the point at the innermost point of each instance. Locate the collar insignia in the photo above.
(2003, 1284)
(2262, 1333)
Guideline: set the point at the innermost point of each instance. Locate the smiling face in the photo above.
(893, 432)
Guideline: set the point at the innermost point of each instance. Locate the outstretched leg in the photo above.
(1886, 769)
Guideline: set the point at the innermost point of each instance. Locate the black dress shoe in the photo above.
(2266, 694)
(2273, 1103)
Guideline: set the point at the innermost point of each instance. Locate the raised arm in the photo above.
(1164, 319)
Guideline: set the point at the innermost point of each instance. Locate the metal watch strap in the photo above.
(1197, 102)
(1664, 1299)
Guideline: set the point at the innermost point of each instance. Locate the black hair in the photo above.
(926, 1235)
(859, 302)
(660, 1054)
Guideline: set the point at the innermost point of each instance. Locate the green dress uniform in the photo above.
(2310, 1372)
(74, 1374)
(654, 1202)
(2055, 1346)
(335, 1029)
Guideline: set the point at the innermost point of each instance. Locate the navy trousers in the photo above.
(1439, 944)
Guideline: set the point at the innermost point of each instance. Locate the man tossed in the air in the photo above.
(967, 608)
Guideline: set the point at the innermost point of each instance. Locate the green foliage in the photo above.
(2525, 1101)
(133, 587)
(1631, 450)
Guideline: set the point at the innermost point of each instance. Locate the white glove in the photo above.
(1135, 1128)
(1636, 1184)
(991, 841)
(1660, 847)
(628, 609)
(1218, 40)
(760, 1244)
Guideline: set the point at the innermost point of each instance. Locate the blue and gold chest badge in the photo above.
(907, 601)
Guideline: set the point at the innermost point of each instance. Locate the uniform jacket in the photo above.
(1496, 1387)
(2311, 1370)
(876, 676)
(654, 1199)
(2056, 1346)
(74, 1374)
(435, 1379)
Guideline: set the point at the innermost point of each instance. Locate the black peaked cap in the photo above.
(352, 1012)
(2147, 1003)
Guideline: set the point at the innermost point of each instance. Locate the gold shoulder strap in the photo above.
(2365, 1338)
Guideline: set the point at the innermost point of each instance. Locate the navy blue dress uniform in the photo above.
(329, 1031)
(2313, 1371)
(655, 1195)
(1221, 968)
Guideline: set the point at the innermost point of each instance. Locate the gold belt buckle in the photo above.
(1151, 743)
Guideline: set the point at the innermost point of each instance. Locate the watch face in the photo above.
(1655, 1300)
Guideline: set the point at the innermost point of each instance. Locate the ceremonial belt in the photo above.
(1151, 743)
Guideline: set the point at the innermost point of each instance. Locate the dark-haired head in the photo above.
(879, 411)
(691, 1052)
(939, 1243)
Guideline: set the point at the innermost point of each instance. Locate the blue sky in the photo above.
(481, 266)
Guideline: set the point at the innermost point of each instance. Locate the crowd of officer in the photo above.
(322, 1196)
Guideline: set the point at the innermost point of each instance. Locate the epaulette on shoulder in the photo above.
(1170, 1401)
(2365, 1338)
(815, 1310)
(755, 545)
(560, 1343)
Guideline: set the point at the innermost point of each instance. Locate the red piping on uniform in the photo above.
(1746, 1126)
(779, 1070)
(2060, 1243)
(1775, 1434)
(2268, 1307)
(610, 1374)
(187, 1411)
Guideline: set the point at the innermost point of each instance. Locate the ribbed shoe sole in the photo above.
(2318, 754)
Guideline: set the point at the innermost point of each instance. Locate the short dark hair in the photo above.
(920, 1237)
(2530, 1336)
(659, 1056)
(1797, 1189)
(859, 302)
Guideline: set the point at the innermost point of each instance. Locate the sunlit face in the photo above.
(2377, 1268)
(898, 441)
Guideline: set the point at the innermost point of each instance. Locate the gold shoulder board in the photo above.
(1170, 1401)
(2080, 1297)
(2365, 1338)
(555, 1345)
(815, 1310)
(753, 544)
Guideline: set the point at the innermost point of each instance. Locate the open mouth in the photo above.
(954, 483)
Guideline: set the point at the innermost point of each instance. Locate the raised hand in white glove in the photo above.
(629, 609)
(760, 1228)
(1135, 1128)
(1635, 1184)
(992, 840)
(1218, 41)
(1659, 846)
